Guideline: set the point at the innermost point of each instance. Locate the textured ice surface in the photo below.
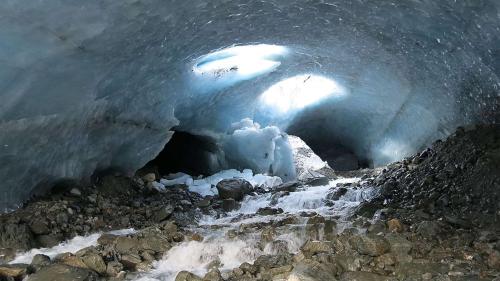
(207, 186)
(305, 160)
(95, 84)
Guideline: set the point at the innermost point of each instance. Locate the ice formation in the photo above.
(98, 84)
(207, 186)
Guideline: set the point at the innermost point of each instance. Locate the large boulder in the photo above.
(234, 189)
(61, 272)
(372, 245)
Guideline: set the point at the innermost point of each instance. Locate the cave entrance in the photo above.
(191, 154)
(340, 156)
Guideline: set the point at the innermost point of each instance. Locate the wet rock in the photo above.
(234, 189)
(16, 271)
(61, 272)
(229, 205)
(372, 245)
(130, 261)
(187, 276)
(213, 275)
(49, 240)
(317, 181)
(365, 276)
(107, 239)
(278, 247)
(39, 227)
(268, 234)
(272, 261)
(16, 235)
(309, 270)
(71, 260)
(314, 247)
(429, 229)
(163, 213)
(339, 192)
(205, 202)
(7, 255)
(269, 211)
(113, 268)
(40, 261)
(126, 245)
(95, 263)
(494, 260)
(394, 225)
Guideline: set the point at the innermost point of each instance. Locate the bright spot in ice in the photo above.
(240, 61)
(300, 91)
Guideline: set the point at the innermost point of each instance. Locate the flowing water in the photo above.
(236, 238)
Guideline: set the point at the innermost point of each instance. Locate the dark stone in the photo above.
(234, 189)
(229, 205)
(268, 211)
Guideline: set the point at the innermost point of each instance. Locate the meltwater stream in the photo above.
(244, 235)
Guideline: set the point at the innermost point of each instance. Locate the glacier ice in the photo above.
(100, 84)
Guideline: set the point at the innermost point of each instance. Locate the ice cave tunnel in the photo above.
(93, 85)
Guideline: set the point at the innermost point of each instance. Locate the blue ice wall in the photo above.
(88, 85)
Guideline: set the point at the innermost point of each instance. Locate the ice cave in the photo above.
(283, 140)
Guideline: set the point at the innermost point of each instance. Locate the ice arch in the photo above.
(99, 84)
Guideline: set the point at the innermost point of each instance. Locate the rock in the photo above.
(75, 192)
(71, 260)
(125, 245)
(16, 271)
(317, 181)
(95, 263)
(372, 245)
(187, 276)
(272, 261)
(365, 276)
(130, 261)
(113, 268)
(49, 240)
(268, 211)
(395, 225)
(39, 227)
(107, 239)
(213, 275)
(229, 205)
(494, 260)
(278, 247)
(61, 272)
(150, 177)
(40, 260)
(428, 229)
(314, 247)
(286, 187)
(234, 189)
(7, 255)
(341, 191)
(268, 234)
(163, 213)
(205, 202)
(16, 235)
(309, 270)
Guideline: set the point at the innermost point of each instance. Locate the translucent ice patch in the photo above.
(70, 246)
(238, 63)
(299, 92)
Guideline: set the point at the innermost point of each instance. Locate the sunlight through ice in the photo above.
(300, 91)
(242, 61)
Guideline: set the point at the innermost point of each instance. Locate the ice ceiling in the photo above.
(89, 85)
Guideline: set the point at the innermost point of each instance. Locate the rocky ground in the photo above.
(435, 216)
